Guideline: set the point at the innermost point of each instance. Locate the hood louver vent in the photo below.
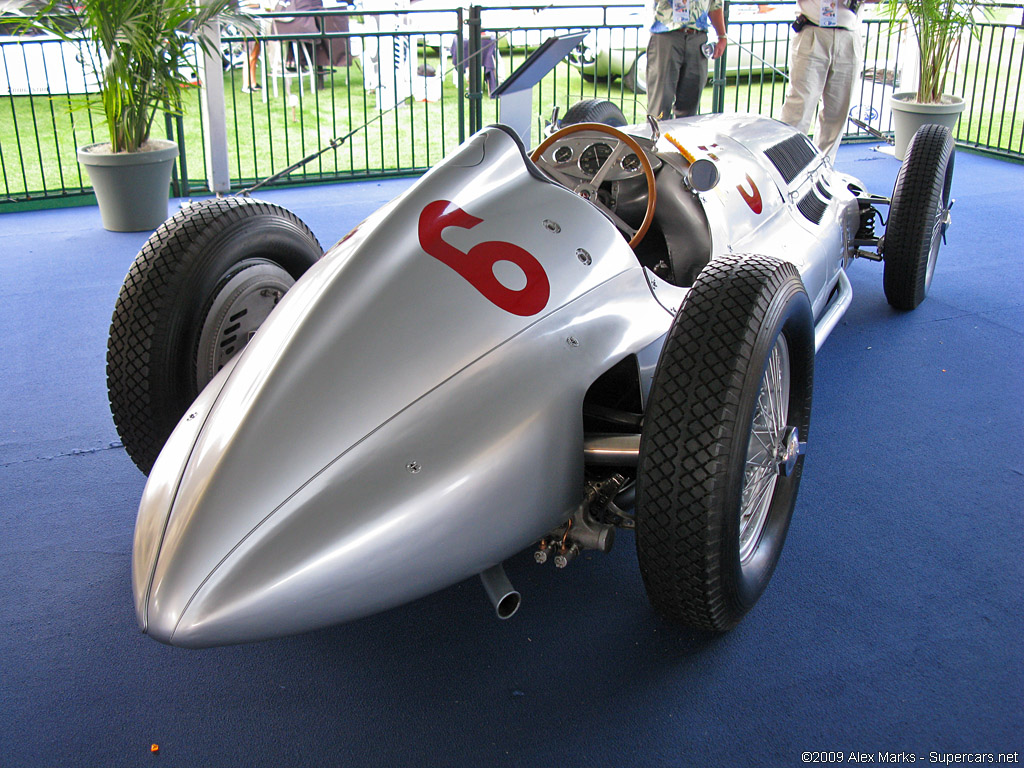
(792, 155)
(812, 207)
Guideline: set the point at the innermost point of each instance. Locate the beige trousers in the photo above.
(824, 67)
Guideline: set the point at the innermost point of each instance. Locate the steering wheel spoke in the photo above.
(625, 228)
(557, 175)
(588, 188)
(617, 153)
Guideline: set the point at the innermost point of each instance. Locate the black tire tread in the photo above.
(157, 275)
(916, 196)
(594, 111)
(680, 481)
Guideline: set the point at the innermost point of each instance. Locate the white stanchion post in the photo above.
(215, 135)
(393, 60)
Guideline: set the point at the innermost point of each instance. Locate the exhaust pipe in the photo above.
(500, 592)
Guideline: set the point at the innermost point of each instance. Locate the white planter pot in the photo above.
(909, 115)
(131, 188)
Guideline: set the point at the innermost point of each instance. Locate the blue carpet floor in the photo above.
(894, 622)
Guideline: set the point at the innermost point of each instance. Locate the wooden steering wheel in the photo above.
(585, 183)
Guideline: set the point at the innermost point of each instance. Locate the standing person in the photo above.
(824, 67)
(250, 83)
(677, 66)
(250, 78)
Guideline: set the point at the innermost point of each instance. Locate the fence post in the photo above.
(460, 48)
(475, 94)
(211, 69)
(169, 126)
(175, 125)
(718, 80)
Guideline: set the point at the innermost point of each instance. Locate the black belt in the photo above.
(802, 21)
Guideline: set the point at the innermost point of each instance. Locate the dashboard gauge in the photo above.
(593, 158)
(630, 162)
(563, 154)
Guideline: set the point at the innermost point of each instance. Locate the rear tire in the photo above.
(720, 451)
(199, 288)
(594, 111)
(918, 217)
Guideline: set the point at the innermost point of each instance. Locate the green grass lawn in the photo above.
(39, 134)
(988, 76)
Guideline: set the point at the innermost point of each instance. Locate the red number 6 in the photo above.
(477, 266)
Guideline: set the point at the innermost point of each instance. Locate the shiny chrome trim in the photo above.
(834, 312)
(769, 442)
(500, 591)
(612, 450)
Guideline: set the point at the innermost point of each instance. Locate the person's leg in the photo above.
(838, 92)
(808, 67)
(254, 58)
(693, 76)
(247, 77)
(662, 74)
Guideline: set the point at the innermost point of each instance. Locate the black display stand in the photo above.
(515, 94)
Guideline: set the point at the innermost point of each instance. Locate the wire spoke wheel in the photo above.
(720, 449)
(766, 443)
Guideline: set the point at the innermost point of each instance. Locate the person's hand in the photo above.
(719, 47)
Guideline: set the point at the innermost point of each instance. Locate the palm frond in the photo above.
(140, 51)
(939, 26)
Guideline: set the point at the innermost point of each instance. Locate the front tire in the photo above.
(918, 217)
(721, 446)
(199, 288)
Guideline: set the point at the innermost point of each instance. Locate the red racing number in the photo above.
(477, 266)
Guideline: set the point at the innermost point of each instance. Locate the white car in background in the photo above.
(43, 64)
(515, 24)
(758, 43)
(871, 97)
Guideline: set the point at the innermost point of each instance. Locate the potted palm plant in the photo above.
(938, 27)
(141, 52)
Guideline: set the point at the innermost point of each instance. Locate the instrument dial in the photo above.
(630, 162)
(593, 158)
(562, 154)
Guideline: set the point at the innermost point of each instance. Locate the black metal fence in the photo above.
(397, 92)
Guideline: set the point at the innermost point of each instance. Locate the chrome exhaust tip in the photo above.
(500, 592)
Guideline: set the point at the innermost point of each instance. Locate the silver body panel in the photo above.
(392, 428)
(736, 143)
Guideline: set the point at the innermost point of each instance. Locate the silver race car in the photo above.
(523, 350)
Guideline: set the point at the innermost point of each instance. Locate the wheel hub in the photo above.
(789, 451)
(241, 304)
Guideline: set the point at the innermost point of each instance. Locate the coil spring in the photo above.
(867, 223)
